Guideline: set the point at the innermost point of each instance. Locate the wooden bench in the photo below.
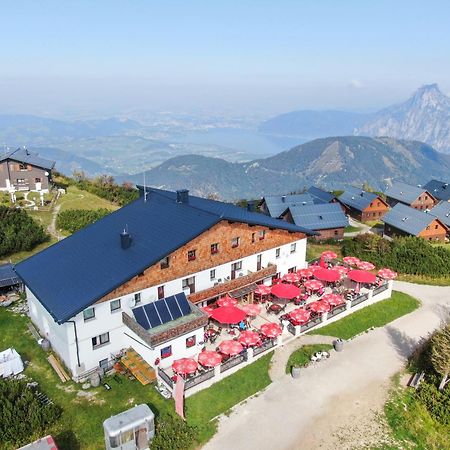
(415, 380)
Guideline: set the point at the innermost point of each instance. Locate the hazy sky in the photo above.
(242, 56)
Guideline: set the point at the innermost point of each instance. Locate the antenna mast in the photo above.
(145, 190)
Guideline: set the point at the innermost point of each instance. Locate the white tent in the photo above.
(10, 363)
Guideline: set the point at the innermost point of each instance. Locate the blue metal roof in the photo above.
(278, 204)
(442, 212)
(320, 196)
(24, 156)
(81, 269)
(403, 192)
(439, 189)
(162, 311)
(8, 277)
(319, 217)
(357, 198)
(408, 219)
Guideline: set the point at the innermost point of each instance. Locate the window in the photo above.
(189, 283)
(292, 269)
(88, 314)
(378, 204)
(235, 242)
(420, 198)
(97, 341)
(277, 252)
(237, 265)
(214, 249)
(115, 305)
(37, 180)
(137, 298)
(103, 364)
(253, 237)
(23, 166)
(336, 232)
(20, 180)
(166, 352)
(293, 247)
(261, 234)
(160, 292)
(164, 263)
(212, 274)
(191, 255)
(190, 341)
(436, 227)
(428, 227)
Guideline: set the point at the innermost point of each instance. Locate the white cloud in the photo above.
(356, 84)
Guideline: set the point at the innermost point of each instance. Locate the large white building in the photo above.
(137, 277)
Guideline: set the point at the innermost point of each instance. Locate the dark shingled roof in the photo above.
(403, 192)
(320, 196)
(24, 156)
(407, 219)
(278, 204)
(439, 189)
(76, 272)
(357, 198)
(442, 212)
(319, 217)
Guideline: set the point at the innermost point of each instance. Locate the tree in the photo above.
(440, 354)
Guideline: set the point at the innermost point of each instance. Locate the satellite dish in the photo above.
(46, 174)
(132, 303)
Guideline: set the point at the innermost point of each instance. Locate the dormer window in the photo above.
(164, 263)
(191, 255)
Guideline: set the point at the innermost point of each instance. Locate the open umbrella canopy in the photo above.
(329, 255)
(227, 301)
(314, 267)
(291, 277)
(361, 276)
(387, 274)
(319, 307)
(208, 310)
(341, 269)
(271, 330)
(365, 265)
(209, 358)
(230, 347)
(185, 366)
(327, 275)
(262, 289)
(252, 309)
(228, 314)
(313, 285)
(351, 260)
(333, 299)
(288, 291)
(249, 338)
(305, 273)
(300, 315)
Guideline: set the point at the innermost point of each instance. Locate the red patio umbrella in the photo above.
(228, 314)
(329, 255)
(361, 276)
(288, 291)
(327, 275)
(271, 330)
(387, 274)
(313, 285)
(249, 338)
(319, 307)
(365, 265)
(227, 301)
(185, 366)
(314, 267)
(262, 289)
(208, 310)
(252, 309)
(341, 269)
(305, 273)
(333, 299)
(300, 315)
(351, 260)
(230, 347)
(291, 277)
(209, 358)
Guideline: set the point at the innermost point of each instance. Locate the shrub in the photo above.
(73, 220)
(23, 416)
(172, 432)
(18, 231)
(408, 255)
(436, 402)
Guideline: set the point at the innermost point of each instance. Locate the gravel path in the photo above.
(334, 404)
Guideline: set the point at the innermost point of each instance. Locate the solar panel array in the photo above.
(162, 311)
